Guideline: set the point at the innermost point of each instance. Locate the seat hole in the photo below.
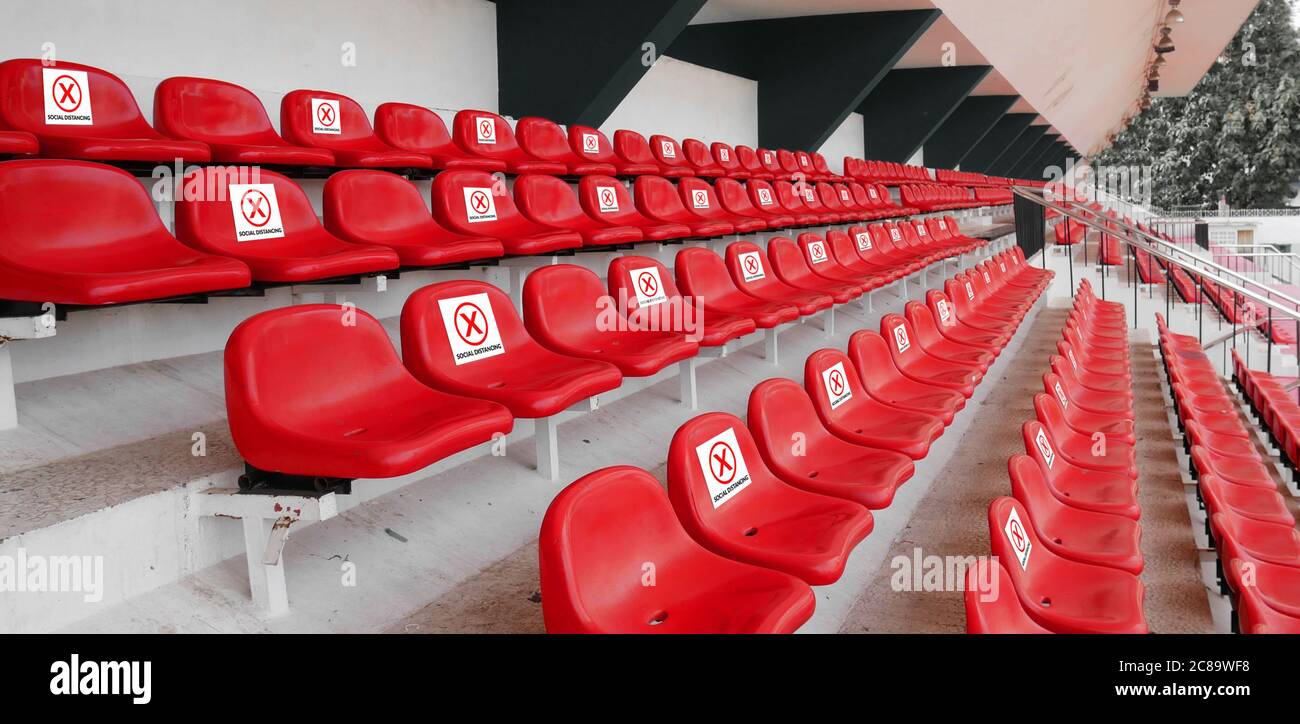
(1046, 602)
(751, 532)
(496, 385)
(659, 618)
(813, 474)
(1057, 541)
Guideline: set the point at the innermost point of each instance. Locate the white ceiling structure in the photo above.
(1081, 65)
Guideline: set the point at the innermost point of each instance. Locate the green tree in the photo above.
(1237, 134)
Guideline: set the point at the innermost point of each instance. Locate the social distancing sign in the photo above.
(864, 241)
(1018, 537)
(479, 204)
(648, 286)
(1060, 395)
(836, 382)
(900, 339)
(751, 266)
(724, 155)
(895, 234)
(485, 130)
(1045, 448)
(765, 197)
(471, 328)
(667, 149)
(325, 118)
(256, 212)
(700, 199)
(606, 199)
(945, 315)
(724, 469)
(67, 97)
(817, 252)
(590, 143)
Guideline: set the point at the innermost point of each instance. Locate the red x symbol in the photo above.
(722, 462)
(751, 265)
(485, 127)
(647, 283)
(255, 207)
(700, 197)
(816, 250)
(1018, 538)
(325, 113)
(837, 382)
(591, 143)
(67, 93)
(607, 196)
(468, 316)
(479, 201)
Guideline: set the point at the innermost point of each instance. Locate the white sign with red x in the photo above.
(725, 472)
(325, 117)
(67, 97)
(256, 212)
(471, 328)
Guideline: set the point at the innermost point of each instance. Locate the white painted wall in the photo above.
(682, 100)
(847, 140)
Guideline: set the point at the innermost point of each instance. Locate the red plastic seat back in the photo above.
(473, 202)
(1014, 540)
(377, 206)
(563, 302)
(904, 346)
(725, 156)
(212, 111)
(763, 195)
(779, 411)
(324, 119)
(591, 144)
(483, 133)
(703, 274)
(274, 369)
(633, 148)
(771, 164)
(748, 159)
(657, 197)
(413, 128)
(82, 101)
(543, 138)
(697, 195)
(240, 206)
(733, 197)
(453, 331)
(833, 383)
(869, 352)
(606, 199)
(747, 266)
(698, 154)
(549, 200)
(992, 606)
(716, 474)
(606, 523)
(667, 151)
(634, 280)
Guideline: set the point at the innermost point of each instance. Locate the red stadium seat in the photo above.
(1274, 586)
(772, 165)
(951, 326)
(699, 199)
(475, 203)
(604, 198)
(230, 120)
(750, 273)
(780, 409)
(1062, 595)
(657, 198)
(1078, 447)
(869, 353)
(939, 346)
(1246, 538)
(917, 363)
(702, 274)
(730, 503)
(337, 123)
(1081, 535)
(791, 267)
(352, 413)
(700, 159)
(564, 309)
(545, 139)
(749, 161)
(549, 201)
(593, 147)
(764, 198)
(464, 337)
(616, 519)
(18, 143)
(1255, 616)
(993, 607)
(846, 409)
(377, 207)
(1114, 426)
(634, 156)
(727, 159)
(417, 129)
(796, 203)
(270, 225)
(84, 233)
(631, 276)
(487, 135)
(668, 154)
(735, 199)
(844, 251)
(90, 114)
(1100, 492)
(818, 256)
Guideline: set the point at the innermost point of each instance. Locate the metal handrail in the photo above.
(1144, 243)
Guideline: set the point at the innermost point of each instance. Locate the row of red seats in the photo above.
(1066, 543)
(235, 228)
(747, 524)
(969, 178)
(465, 338)
(888, 172)
(935, 197)
(1247, 520)
(992, 196)
(1070, 232)
(70, 110)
